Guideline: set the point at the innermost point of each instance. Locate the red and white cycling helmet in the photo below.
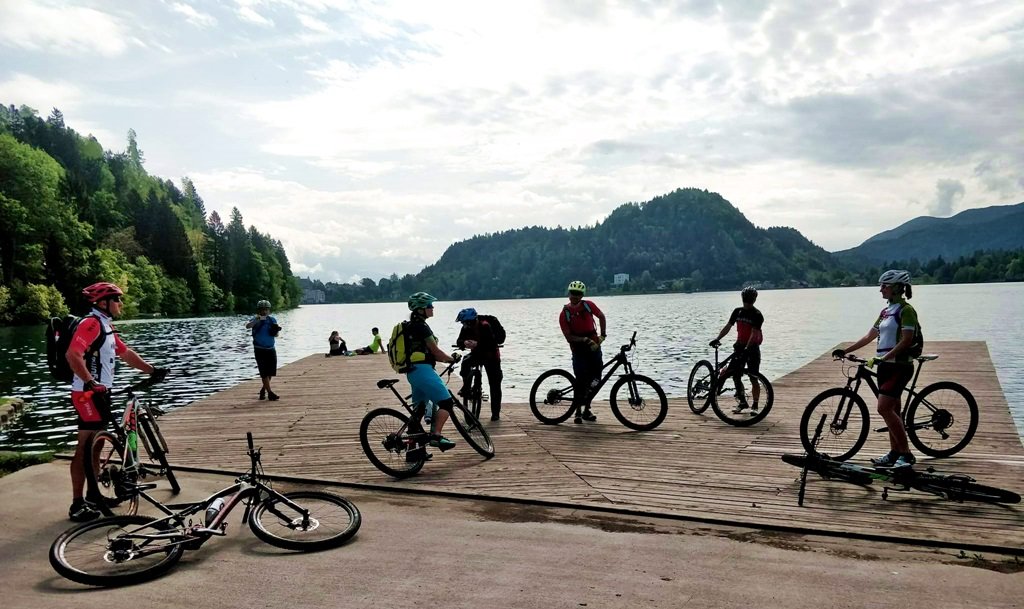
(100, 291)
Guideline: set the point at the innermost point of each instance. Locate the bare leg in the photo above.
(889, 408)
(78, 464)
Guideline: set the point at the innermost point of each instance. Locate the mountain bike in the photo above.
(115, 465)
(709, 383)
(122, 550)
(642, 406)
(955, 487)
(940, 419)
(396, 442)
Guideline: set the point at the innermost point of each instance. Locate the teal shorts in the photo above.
(427, 385)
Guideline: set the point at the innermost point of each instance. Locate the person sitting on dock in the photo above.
(337, 344)
(747, 348)
(373, 347)
(896, 329)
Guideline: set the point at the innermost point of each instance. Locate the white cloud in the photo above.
(25, 89)
(313, 23)
(245, 11)
(60, 29)
(193, 16)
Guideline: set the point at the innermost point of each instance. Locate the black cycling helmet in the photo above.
(749, 294)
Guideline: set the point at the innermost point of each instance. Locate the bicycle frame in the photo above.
(611, 366)
(868, 377)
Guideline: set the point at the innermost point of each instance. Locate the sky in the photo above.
(369, 136)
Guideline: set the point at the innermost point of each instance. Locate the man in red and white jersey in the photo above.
(91, 354)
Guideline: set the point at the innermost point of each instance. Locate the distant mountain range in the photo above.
(999, 227)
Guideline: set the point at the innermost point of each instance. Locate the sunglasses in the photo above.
(115, 298)
(575, 293)
(429, 306)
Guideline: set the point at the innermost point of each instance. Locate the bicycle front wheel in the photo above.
(552, 395)
(110, 487)
(472, 430)
(383, 434)
(476, 395)
(157, 449)
(846, 423)
(638, 402)
(960, 488)
(115, 551)
(747, 411)
(942, 419)
(330, 522)
(698, 389)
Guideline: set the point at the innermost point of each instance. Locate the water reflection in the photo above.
(673, 331)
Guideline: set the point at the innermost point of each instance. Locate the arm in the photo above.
(438, 354)
(569, 336)
(252, 322)
(867, 338)
(604, 322)
(134, 360)
(906, 339)
(725, 330)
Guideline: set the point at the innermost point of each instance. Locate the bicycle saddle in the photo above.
(381, 384)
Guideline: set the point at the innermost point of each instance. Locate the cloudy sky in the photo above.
(368, 136)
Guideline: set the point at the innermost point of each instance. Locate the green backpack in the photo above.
(398, 354)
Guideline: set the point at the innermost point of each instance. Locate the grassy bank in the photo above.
(11, 462)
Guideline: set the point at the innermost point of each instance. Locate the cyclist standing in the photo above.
(423, 351)
(264, 329)
(478, 336)
(577, 323)
(895, 329)
(93, 370)
(747, 348)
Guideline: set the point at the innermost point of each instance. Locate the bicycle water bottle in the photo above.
(214, 508)
(428, 415)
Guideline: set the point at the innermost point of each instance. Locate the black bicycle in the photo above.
(122, 550)
(955, 487)
(636, 400)
(474, 395)
(708, 383)
(116, 466)
(940, 420)
(396, 443)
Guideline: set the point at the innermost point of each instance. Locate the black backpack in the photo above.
(499, 332)
(59, 332)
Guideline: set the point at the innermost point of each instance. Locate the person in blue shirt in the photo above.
(264, 328)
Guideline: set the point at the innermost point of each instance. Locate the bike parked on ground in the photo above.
(707, 387)
(122, 550)
(636, 401)
(940, 420)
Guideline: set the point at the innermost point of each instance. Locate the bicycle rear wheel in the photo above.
(830, 469)
(961, 488)
(476, 394)
(552, 395)
(110, 487)
(110, 552)
(642, 406)
(332, 521)
(846, 423)
(699, 387)
(732, 411)
(472, 430)
(942, 419)
(383, 435)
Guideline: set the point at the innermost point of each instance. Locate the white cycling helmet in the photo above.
(894, 276)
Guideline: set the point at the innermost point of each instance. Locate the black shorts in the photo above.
(749, 358)
(266, 361)
(893, 377)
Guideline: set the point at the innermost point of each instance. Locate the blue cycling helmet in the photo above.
(468, 314)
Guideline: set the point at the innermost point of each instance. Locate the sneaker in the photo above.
(80, 511)
(906, 460)
(263, 394)
(443, 443)
(273, 397)
(578, 421)
(589, 416)
(495, 416)
(887, 459)
(417, 454)
(740, 407)
(753, 408)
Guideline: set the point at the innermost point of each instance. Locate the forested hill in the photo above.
(688, 239)
(72, 214)
(999, 227)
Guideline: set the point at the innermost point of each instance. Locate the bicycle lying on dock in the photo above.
(707, 385)
(641, 406)
(955, 487)
(396, 443)
(122, 550)
(940, 419)
(115, 466)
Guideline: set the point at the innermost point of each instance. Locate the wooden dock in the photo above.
(691, 467)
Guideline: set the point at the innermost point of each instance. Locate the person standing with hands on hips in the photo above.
(264, 329)
(94, 345)
(577, 322)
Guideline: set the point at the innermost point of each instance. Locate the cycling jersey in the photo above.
(481, 332)
(890, 331)
(748, 324)
(579, 321)
(261, 336)
(99, 363)
(418, 334)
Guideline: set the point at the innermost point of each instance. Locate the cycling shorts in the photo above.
(266, 361)
(893, 377)
(93, 410)
(427, 385)
(749, 358)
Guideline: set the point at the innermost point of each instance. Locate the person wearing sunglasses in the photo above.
(424, 353)
(94, 345)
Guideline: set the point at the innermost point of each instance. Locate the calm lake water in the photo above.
(673, 331)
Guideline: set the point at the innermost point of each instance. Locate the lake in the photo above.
(673, 332)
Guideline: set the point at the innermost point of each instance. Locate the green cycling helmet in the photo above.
(577, 286)
(420, 300)
(263, 304)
